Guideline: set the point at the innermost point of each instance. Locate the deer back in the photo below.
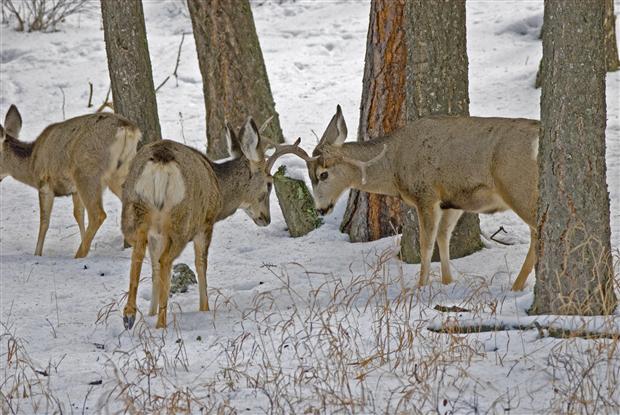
(173, 186)
(462, 160)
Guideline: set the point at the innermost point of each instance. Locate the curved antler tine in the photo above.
(362, 165)
(265, 124)
(268, 141)
(287, 149)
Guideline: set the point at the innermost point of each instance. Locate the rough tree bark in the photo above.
(234, 77)
(437, 74)
(612, 61)
(371, 216)
(129, 65)
(611, 45)
(574, 273)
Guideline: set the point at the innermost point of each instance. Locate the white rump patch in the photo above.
(161, 185)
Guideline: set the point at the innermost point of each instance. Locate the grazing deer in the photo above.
(443, 166)
(174, 194)
(78, 157)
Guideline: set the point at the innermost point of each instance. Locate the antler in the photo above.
(287, 149)
(362, 165)
(265, 124)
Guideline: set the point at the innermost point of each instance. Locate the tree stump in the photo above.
(296, 203)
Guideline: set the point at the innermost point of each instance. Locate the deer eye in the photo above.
(323, 176)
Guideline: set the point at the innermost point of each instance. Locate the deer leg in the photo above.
(428, 217)
(201, 252)
(155, 248)
(528, 264)
(170, 251)
(78, 214)
(46, 202)
(449, 219)
(116, 186)
(137, 256)
(90, 192)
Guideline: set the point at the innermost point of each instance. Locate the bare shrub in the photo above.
(41, 15)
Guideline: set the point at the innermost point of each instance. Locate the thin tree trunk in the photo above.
(437, 74)
(574, 273)
(234, 77)
(371, 216)
(129, 64)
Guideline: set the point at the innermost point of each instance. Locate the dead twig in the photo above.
(106, 102)
(176, 66)
(501, 229)
(90, 95)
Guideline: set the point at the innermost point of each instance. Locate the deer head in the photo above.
(247, 144)
(331, 171)
(8, 140)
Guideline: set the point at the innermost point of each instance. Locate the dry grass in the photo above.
(25, 385)
(345, 344)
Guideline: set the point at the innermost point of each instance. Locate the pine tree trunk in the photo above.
(574, 273)
(437, 72)
(611, 45)
(371, 216)
(234, 77)
(129, 64)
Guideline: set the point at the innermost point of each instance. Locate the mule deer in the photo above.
(442, 165)
(78, 157)
(174, 194)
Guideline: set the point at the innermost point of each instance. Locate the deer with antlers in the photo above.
(442, 166)
(174, 194)
(78, 157)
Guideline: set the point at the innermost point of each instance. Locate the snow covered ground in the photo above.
(308, 325)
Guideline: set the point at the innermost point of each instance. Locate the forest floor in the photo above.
(308, 325)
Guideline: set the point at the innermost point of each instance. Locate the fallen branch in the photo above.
(450, 309)
(453, 326)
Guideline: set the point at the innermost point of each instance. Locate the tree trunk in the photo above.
(371, 216)
(574, 273)
(234, 77)
(437, 71)
(129, 64)
(611, 46)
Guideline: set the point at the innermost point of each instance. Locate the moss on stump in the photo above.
(296, 203)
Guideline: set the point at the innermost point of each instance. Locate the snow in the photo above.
(312, 324)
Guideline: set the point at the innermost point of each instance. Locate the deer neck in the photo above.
(17, 160)
(380, 177)
(233, 177)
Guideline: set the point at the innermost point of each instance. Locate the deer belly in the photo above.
(482, 200)
(63, 187)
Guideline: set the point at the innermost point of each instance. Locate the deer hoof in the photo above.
(128, 321)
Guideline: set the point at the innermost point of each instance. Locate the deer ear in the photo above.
(336, 132)
(233, 143)
(250, 141)
(13, 122)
